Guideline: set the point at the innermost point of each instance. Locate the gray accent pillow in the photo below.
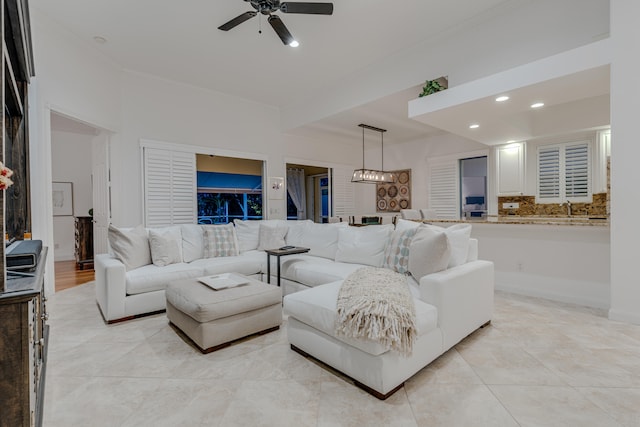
(429, 252)
(131, 247)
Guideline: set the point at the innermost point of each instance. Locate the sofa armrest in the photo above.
(110, 286)
(463, 296)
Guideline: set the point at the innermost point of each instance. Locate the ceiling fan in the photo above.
(268, 7)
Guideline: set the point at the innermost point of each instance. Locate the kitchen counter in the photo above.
(584, 221)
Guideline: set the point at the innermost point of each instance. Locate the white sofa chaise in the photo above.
(451, 305)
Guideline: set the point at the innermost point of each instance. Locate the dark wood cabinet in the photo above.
(23, 348)
(84, 242)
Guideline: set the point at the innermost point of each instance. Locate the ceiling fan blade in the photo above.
(280, 29)
(237, 21)
(310, 8)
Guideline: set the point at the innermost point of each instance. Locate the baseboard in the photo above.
(624, 316)
(590, 294)
(64, 256)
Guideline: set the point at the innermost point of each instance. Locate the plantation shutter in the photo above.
(443, 190)
(343, 192)
(169, 187)
(577, 170)
(549, 173)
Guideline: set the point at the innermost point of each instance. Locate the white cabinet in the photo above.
(510, 169)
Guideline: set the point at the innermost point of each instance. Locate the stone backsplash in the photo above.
(529, 207)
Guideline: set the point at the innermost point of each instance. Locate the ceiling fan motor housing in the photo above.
(266, 7)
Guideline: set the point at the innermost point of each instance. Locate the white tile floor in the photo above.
(540, 363)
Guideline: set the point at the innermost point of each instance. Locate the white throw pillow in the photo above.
(363, 245)
(295, 235)
(322, 239)
(248, 234)
(165, 245)
(429, 252)
(396, 254)
(272, 236)
(131, 247)
(404, 225)
(192, 242)
(459, 235)
(220, 241)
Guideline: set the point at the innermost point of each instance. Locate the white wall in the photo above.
(625, 151)
(71, 162)
(166, 111)
(73, 79)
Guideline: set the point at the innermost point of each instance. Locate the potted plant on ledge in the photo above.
(433, 86)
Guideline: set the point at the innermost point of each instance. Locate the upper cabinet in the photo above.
(510, 169)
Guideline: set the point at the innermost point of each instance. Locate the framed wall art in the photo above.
(396, 196)
(62, 194)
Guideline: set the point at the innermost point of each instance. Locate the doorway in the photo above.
(80, 186)
(308, 192)
(473, 187)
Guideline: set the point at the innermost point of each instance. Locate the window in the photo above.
(223, 197)
(563, 173)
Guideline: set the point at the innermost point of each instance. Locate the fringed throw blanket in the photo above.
(376, 304)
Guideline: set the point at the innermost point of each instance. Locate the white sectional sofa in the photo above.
(336, 250)
(452, 290)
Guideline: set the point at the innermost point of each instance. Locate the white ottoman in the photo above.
(214, 319)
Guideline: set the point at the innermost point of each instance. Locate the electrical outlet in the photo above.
(510, 205)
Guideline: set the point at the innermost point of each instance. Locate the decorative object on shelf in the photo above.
(373, 176)
(62, 194)
(5, 175)
(395, 196)
(433, 86)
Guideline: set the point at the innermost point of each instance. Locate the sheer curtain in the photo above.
(297, 191)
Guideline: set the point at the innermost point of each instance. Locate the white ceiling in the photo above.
(180, 41)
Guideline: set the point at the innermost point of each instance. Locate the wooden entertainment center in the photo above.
(23, 317)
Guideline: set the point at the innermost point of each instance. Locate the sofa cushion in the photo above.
(458, 235)
(165, 245)
(429, 252)
(322, 239)
(271, 236)
(192, 242)
(153, 278)
(404, 225)
(131, 247)
(312, 273)
(247, 263)
(317, 308)
(248, 234)
(220, 241)
(363, 245)
(295, 235)
(396, 254)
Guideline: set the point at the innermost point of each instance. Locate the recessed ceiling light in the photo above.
(537, 105)
(99, 39)
(294, 43)
(474, 126)
(502, 98)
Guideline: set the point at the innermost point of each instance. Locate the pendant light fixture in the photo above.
(373, 176)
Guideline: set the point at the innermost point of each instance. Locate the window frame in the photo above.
(562, 168)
